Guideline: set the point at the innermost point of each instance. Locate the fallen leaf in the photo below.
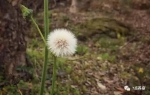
(100, 85)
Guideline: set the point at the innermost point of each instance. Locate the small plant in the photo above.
(81, 49)
(108, 57)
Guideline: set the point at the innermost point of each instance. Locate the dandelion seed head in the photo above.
(62, 42)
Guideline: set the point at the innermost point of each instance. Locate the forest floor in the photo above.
(113, 51)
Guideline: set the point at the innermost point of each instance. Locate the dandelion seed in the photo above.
(62, 42)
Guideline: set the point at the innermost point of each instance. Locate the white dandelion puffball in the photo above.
(62, 42)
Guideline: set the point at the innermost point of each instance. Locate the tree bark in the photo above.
(12, 37)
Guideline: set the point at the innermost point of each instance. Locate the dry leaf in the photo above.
(100, 85)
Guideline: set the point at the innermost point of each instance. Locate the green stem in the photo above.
(36, 25)
(44, 72)
(54, 75)
(46, 29)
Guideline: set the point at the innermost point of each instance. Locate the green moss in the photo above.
(107, 26)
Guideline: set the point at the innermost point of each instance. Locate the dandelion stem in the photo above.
(44, 72)
(34, 22)
(46, 30)
(54, 76)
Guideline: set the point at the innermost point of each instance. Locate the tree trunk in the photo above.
(12, 37)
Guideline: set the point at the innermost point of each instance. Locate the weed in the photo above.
(81, 50)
